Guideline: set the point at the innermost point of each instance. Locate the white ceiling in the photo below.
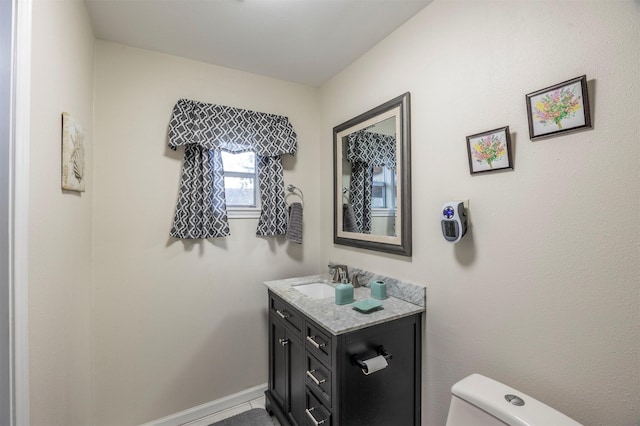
(303, 41)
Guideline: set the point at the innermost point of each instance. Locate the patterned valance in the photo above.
(374, 149)
(219, 127)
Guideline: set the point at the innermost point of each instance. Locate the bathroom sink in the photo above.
(316, 290)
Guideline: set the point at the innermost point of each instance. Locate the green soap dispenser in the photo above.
(344, 294)
(344, 291)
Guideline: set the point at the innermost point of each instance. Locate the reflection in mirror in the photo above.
(368, 178)
(372, 172)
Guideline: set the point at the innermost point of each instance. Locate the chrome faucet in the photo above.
(354, 281)
(338, 273)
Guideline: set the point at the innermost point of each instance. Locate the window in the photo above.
(241, 184)
(383, 194)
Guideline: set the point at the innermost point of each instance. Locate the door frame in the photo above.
(17, 205)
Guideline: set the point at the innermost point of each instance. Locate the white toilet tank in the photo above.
(480, 401)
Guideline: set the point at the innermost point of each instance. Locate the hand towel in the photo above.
(349, 219)
(294, 227)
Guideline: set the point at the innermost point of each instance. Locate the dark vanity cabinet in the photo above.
(315, 378)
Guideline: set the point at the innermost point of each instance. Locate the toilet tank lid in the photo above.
(489, 395)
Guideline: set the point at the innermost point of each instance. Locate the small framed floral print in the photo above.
(558, 109)
(489, 151)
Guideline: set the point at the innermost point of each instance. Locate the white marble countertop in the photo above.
(339, 319)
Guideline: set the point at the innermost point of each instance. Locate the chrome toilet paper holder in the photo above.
(381, 351)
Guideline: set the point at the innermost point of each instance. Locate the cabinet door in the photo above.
(390, 396)
(296, 379)
(287, 371)
(278, 365)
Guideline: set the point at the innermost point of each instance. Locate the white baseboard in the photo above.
(210, 408)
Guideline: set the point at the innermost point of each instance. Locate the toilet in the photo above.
(480, 401)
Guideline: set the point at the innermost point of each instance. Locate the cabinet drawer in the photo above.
(318, 343)
(318, 379)
(286, 312)
(315, 413)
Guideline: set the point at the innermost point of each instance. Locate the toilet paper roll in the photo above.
(374, 364)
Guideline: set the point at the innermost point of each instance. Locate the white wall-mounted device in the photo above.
(453, 221)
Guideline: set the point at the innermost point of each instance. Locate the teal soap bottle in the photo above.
(344, 291)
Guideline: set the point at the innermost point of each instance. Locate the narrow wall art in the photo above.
(73, 166)
(561, 108)
(489, 151)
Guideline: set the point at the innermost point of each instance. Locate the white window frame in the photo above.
(390, 197)
(246, 212)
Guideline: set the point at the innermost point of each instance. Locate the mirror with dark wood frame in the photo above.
(372, 179)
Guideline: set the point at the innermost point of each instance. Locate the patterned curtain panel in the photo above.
(273, 217)
(360, 193)
(205, 130)
(365, 151)
(201, 211)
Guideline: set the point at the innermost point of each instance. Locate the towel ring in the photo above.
(346, 193)
(292, 191)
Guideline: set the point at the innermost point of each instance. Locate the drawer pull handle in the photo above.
(314, 378)
(311, 339)
(313, 419)
(283, 314)
(283, 342)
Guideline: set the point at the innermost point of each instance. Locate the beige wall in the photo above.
(60, 245)
(178, 324)
(543, 292)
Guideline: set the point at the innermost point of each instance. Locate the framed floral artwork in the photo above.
(489, 151)
(558, 109)
(73, 172)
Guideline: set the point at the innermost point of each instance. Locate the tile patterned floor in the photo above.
(206, 421)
